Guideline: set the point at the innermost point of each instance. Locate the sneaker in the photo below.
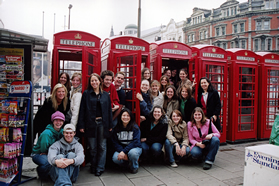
(173, 165)
(207, 166)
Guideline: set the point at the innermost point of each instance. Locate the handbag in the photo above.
(206, 142)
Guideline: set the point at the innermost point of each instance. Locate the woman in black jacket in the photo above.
(95, 122)
(209, 101)
(186, 102)
(58, 101)
(153, 133)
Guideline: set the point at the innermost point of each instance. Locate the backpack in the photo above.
(274, 136)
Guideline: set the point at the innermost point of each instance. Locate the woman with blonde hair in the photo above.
(75, 96)
(58, 101)
(156, 95)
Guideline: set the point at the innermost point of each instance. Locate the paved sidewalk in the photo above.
(228, 169)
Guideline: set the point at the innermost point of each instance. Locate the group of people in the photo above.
(172, 124)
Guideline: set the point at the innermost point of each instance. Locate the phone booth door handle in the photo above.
(236, 95)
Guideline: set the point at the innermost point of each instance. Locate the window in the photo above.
(223, 31)
(277, 4)
(217, 32)
(193, 37)
(224, 45)
(243, 44)
(235, 28)
(179, 38)
(256, 44)
(232, 44)
(228, 12)
(236, 44)
(266, 24)
(262, 44)
(278, 43)
(201, 36)
(269, 44)
(259, 25)
(218, 44)
(205, 34)
(241, 27)
(232, 11)
(189, 38)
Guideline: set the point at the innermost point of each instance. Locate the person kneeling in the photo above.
(126, 141)
(65, 156)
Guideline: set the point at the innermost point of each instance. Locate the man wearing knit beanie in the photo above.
(51, 134)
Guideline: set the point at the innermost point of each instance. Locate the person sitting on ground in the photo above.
(204, 137)
(145, 100)
(126, 141)
(153, 134)
(177, 142)
(156, 95)
(65, 156)
(51, 134)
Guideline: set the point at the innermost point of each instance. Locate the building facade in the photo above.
(252, 25)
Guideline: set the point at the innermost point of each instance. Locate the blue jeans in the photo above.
(98, 149)
(133, 156)
(170, 151)
(67, 175)
(211, 148)
(43, 165)
(155, 149)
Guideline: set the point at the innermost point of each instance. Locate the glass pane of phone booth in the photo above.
(70, 67)
(216, 74)
(272, 97)
(246, 110)
(128, 65)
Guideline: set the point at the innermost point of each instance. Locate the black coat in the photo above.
(87, 113)
(157, 134)
(213, 106)
(43, 116)
(190, 105)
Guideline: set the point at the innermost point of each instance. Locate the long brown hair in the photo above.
(179, 114)
(152, 119)
(163, 88)
(188, 89)
(203, 120)
(68, 83)
(53, 97)
(89, 82)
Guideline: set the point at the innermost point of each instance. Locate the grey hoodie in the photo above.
(63, 147)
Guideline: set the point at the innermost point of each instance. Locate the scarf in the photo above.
(75, 90)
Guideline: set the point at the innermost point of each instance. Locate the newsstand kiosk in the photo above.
(127, 54)
(75, 51)
(170, 55)
(211, 62)
(243, 96)
(268, 92)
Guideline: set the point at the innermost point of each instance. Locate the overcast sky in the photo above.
(95, 16)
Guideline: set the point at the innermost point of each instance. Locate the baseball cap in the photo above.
(69, 128)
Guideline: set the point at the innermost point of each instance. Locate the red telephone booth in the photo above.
(268, 92)
(75, 51)
(168, 54)
(127, 54)
(243, 95)
(211, 62)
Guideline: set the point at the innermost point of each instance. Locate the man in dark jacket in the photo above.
(65, 156)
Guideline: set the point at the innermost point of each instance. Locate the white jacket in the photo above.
(75, 104)
(159, 100)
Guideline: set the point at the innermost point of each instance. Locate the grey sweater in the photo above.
(63, 147)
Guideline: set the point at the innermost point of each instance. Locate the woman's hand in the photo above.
(202, 146)
(142, 118)
(139, 96)
(177, 149)
(121, 155)
(214, 118)
(81, 130)
(142, 139)
(208, 136)
(183, 151)
(115, 107)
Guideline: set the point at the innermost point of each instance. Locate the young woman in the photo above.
(164, 80)
(126, 141)
(186, 102)
(177, 142)
(153, 133)
(58, 101)
(204, 137)
(171, 102)
(183, 75)
(95, 122)
(156, 95)
(145, 100)
(209, 101)
(75, 96)
(64, 79)
(145, 74)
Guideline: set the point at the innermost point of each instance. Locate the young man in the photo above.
(118, 81)
(51, 134)
(65, 156)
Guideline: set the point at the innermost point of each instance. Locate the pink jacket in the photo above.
(194, 135)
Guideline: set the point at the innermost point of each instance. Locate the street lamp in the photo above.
(70, 6)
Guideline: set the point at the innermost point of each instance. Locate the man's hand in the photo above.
(61, 163)
(121, 155)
